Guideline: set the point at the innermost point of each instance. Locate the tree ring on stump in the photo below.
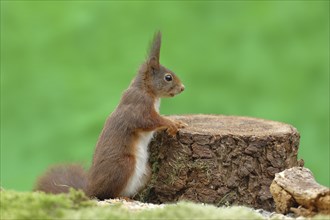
(235, 125)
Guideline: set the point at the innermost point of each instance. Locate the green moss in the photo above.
(182, 210)
(75, 205)
(321, 217)
(38, 205)
(187, 210)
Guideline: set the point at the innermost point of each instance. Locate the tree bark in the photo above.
(220, 160)
(295, 190)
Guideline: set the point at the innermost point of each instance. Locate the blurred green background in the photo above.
(64, 66)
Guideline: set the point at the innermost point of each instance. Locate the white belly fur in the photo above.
(141, 163)
(136, 181)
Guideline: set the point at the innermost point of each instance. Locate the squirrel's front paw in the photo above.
(172, 130)
(181, 124)
(174, 127)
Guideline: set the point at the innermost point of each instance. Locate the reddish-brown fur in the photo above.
(59, 179)
(115, 154)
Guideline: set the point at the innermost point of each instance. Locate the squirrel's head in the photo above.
(161, 81)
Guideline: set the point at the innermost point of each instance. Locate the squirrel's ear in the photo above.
(154, 52)
(153, 63)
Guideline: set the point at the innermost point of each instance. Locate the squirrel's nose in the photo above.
(182, 88)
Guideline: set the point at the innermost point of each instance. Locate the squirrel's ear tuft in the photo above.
(154, 52)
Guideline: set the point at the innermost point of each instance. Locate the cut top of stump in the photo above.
(232, 125)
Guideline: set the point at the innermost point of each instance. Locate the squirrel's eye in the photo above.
(168, 77)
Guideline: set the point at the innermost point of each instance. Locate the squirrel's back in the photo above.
(60, 178)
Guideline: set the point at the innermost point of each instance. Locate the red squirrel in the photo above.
(120, 165)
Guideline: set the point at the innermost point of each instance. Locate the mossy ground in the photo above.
(37, 205)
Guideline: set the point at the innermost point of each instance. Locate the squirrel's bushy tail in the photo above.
(60, 178)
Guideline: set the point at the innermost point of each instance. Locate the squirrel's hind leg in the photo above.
(110, 184)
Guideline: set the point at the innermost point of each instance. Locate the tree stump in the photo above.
(220, 160)
(295, 190)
